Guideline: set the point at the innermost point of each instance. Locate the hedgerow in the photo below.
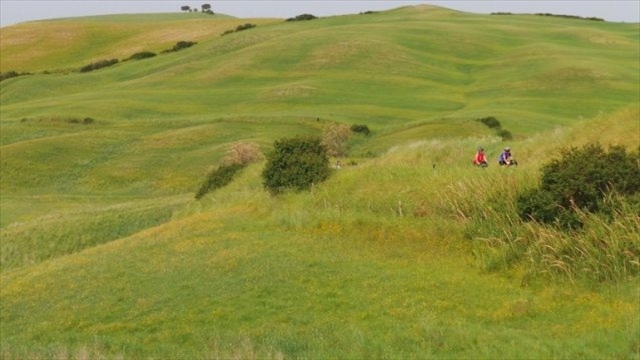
(98, 65)
(141, 55)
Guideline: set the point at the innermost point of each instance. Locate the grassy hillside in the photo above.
(105, 253)
(405, 65)
(74, 42)
(373, 263)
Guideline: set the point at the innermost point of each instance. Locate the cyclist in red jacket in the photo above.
(480, 159)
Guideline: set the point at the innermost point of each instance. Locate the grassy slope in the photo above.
(405, 65)
(75, 42)
(346, 271)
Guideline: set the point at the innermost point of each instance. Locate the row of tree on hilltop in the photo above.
(205, 8)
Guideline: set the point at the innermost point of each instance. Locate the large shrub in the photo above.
(295, 163)
(581, 180)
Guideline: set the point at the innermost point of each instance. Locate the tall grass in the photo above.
(346, 270)
(606, 249)
(65, 232)
(603, 250)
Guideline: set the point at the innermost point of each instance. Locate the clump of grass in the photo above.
(603, 250)
(334, 138)
(243, 153)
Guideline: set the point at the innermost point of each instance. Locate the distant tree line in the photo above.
(302, 17)
(555, 15)
(205, 8)
(180, 45)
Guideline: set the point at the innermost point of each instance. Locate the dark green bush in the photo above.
(142, 55)
(302, 17)
(245, 27)
(504, 134)
(239, 28)
(180, 45)
(570, 16)
(493, 123)
(98, 65)
(490, 121)
(549, 14)
(295, 163)
(183, 45)
(360, 129)
(218, 178)
(581, 180)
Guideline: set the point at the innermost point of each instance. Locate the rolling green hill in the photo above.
(106, 253)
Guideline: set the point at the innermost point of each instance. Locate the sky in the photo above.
(17, 11)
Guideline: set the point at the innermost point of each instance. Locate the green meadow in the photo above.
(106, 254)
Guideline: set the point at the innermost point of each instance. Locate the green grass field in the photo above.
(105, 253)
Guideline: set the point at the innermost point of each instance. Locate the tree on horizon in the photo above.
(206, 8)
